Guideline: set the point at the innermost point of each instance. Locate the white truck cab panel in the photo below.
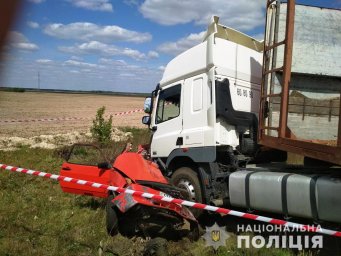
(225, 54)
(195, 111)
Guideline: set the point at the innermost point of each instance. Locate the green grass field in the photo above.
(37, 218)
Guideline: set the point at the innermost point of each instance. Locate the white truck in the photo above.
(205, 110)
(204, 117)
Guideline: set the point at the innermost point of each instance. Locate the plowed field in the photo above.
(29, 106)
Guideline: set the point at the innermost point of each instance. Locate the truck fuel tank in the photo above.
(301, 195)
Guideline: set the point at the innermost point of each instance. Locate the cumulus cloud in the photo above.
(113, 74)
(174, 48)
(242, 14)
(74, 71)
(33, 24)
(161, 68)
(98, 48)
(122, 67)
(112, 62)
(86, 31)
(94, 5)
(153, 54)
(80, 64)
(44, 61)
(19, 41)
(76, 58)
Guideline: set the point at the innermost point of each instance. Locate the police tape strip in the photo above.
(44, 120)
(67, 118)
(129, 112)
(175, 200)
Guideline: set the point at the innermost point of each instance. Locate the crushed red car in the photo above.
(129, 214)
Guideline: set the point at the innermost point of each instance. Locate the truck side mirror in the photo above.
(146, 120)
(147, 107)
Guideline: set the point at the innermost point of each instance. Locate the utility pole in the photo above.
(39, 80)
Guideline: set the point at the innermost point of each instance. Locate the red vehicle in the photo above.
(129, 214)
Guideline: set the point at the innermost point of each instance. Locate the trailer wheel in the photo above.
(187, 179)
(111, 217)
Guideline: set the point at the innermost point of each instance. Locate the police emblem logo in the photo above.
(215, 236)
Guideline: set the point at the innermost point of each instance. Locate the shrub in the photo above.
(14, 89)
(101, 128)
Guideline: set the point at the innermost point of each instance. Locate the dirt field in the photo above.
(36, 105)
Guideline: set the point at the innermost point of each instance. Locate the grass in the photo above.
(37, 218)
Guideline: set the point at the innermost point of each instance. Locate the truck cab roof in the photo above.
(220, 47)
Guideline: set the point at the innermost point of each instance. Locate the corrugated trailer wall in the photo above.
(315, 85)
(317, 40)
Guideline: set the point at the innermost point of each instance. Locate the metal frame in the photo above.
(284, 139)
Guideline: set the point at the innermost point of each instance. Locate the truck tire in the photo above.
(111, 217)
(187, 179)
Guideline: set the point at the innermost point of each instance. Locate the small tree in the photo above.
(101, 128)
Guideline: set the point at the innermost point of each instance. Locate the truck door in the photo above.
(167, 123)
(194, 113)
(82, 164)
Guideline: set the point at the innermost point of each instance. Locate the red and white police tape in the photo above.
(138, 110)
(44, 119)
(175, 200)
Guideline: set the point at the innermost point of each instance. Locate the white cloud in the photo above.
(86, 31)
(26, 46)
(80, 64)
(76, 58)
(94, 5)
(113, 74)
(98, 48)
(242, 14)
(33, 24)
(106, 61)
(36, 1)
(174, 48)
(19, 41)
(74, 71)
(153, 54)
(121, 67)
(127, 75)
(44, 61)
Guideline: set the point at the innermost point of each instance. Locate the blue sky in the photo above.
(115, 45)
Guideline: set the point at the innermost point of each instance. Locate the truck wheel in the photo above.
(187, 179)
(111, 217)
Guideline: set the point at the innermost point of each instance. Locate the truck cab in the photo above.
(205, 108)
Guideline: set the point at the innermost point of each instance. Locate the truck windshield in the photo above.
(168, 106)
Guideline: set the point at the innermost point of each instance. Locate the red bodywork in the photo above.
(84, 172)
(127, 171)
(137, 168)
(128, 164)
